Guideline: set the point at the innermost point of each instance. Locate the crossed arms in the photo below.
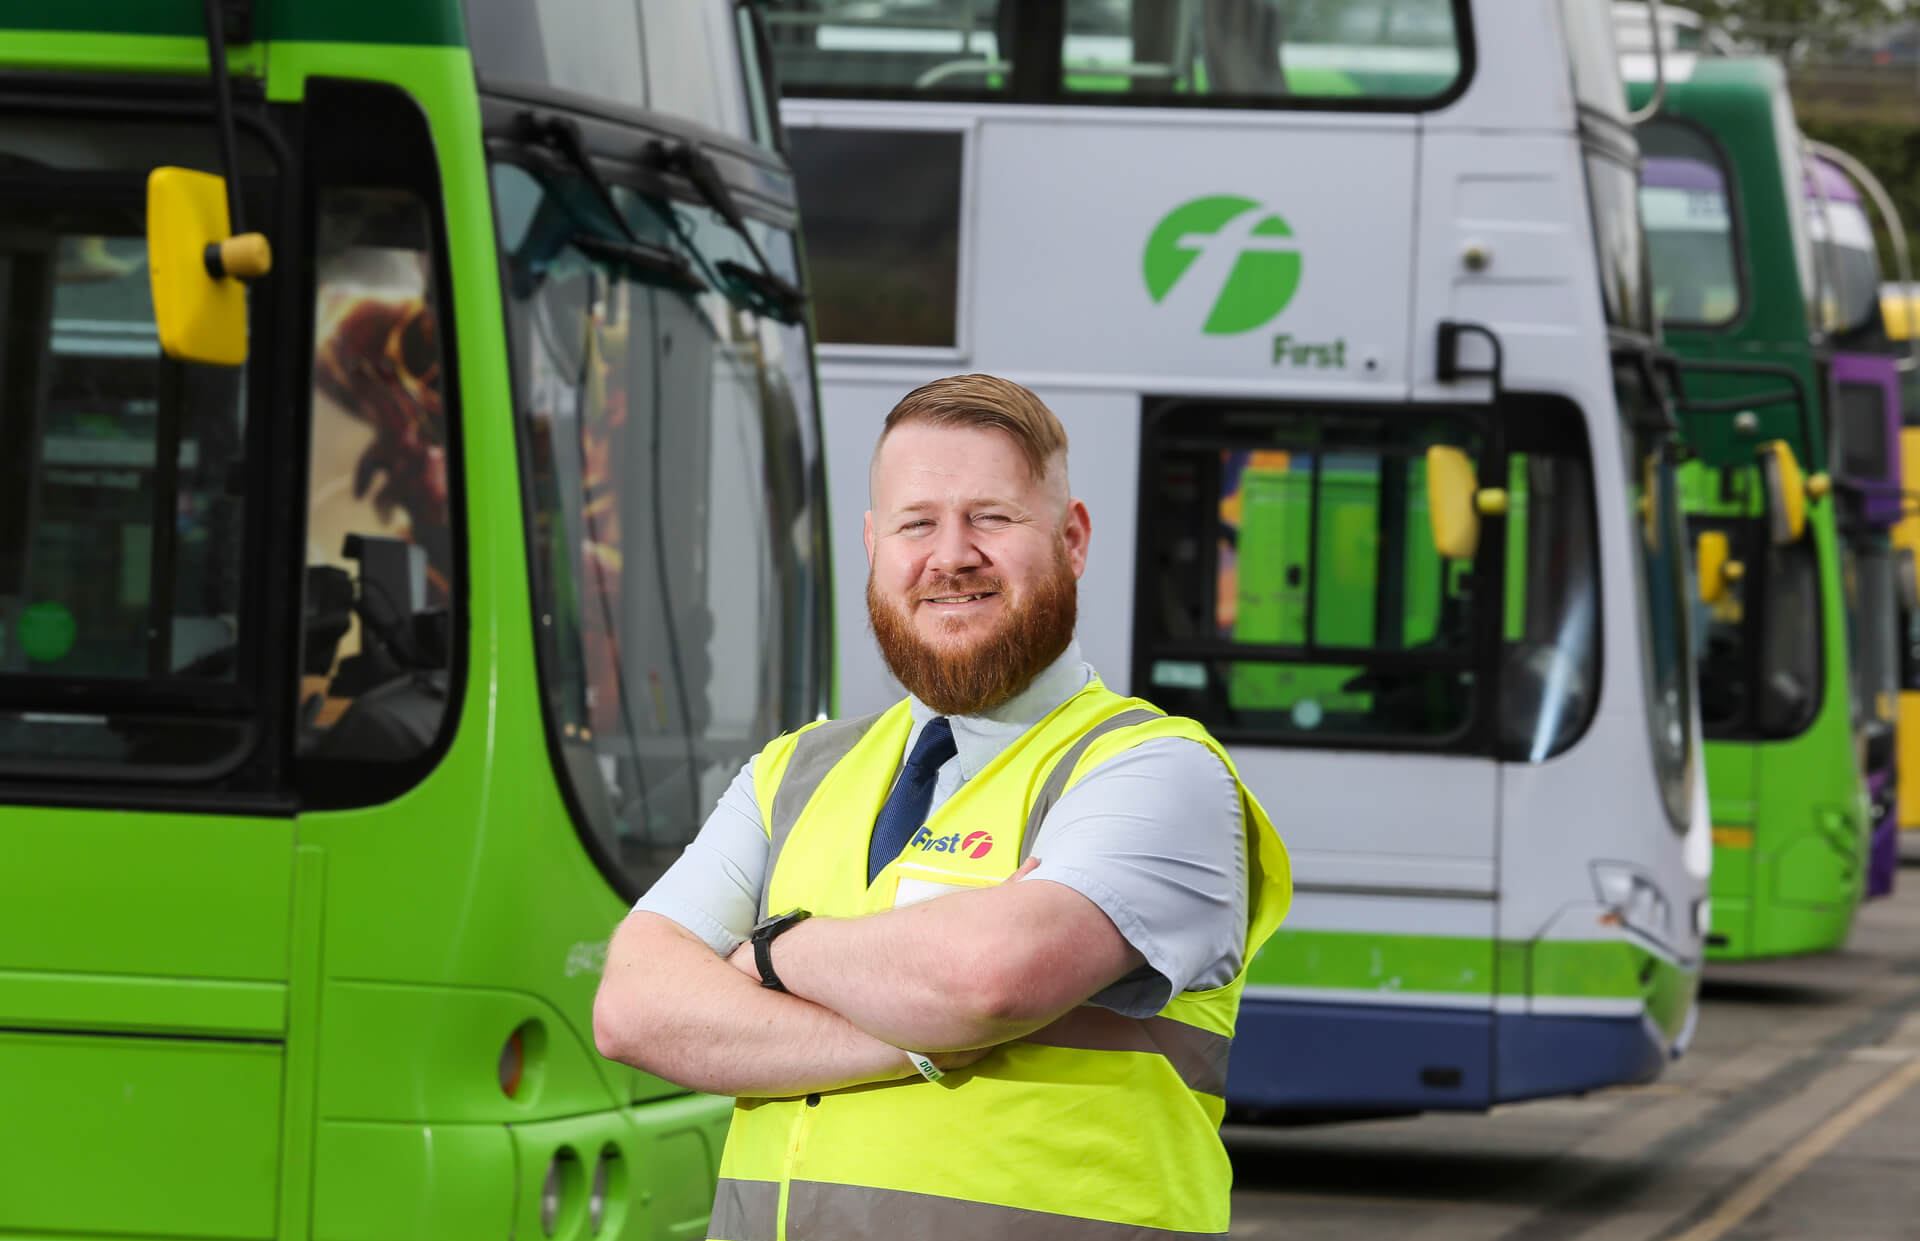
(956, 975)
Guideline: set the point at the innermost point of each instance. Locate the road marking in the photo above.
(1796, 1158)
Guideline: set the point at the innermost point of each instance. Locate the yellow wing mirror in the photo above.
(1715, 566)
(196, 268)
(1456, 502)
(1787, 491)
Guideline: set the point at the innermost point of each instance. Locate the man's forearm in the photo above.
(971, 969)
(669, 1006)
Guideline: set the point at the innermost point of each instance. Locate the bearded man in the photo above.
(969, 966)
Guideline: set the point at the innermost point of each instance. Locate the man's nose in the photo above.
(954, 549)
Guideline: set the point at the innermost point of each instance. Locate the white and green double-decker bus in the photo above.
(1346, 310)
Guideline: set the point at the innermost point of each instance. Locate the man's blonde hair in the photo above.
(988, 402)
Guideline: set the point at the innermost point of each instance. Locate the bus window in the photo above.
(893, 47)
(592, 47)
(1252, 53)
(675, 56)
(694, 69)
(1759, 671)
(882, 208)
(1790, 636)
(127, 639)
(380, 576)
(1550, 641)
(1251, 49)
(1860, 430)
(668, 446)
(1290, 587)
(1725, 654)
(1844, 247)
(1661, 557)
(1868, 580)
(1686, 205)
(1594, 58)
(1626, 286)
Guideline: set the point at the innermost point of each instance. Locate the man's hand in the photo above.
(948, 1061)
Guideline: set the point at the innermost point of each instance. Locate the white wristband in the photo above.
(927, 1068)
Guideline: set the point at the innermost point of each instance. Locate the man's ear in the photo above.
(1077, 530)
(866, 533)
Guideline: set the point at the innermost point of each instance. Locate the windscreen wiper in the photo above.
(646, 261)
(641, 260)
(775, 296)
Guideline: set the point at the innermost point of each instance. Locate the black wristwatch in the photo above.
(763, 937)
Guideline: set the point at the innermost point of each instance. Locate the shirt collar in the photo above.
(979, 739)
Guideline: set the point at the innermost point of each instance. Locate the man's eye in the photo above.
(997, 519)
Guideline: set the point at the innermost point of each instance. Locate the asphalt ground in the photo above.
(1795, 1115)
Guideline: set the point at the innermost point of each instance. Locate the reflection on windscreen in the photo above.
(1850, 267)
(1239, 50)
(1297, 593)
(676, 549)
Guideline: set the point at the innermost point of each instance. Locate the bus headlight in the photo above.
(1635, 899)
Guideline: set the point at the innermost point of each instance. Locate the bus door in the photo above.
(1768, 655)
(144, 995)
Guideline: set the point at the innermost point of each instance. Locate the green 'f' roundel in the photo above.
(1264, 275)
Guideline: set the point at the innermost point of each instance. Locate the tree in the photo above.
(1791, 29)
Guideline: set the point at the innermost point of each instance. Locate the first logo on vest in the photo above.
(973, 844)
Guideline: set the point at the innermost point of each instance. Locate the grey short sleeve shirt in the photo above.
(1153, 837)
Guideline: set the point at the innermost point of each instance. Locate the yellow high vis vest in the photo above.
(1098, 1126)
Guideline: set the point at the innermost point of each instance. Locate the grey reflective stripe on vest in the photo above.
(1198, 1056)
(1063, 769)
(814, 755)
(744, 1210)
(818, 1211)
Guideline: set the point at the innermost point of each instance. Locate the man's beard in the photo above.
(958, 676)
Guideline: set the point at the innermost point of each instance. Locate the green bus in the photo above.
(1739, 291)
(349, 695)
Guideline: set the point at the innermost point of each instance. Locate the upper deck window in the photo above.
(681, 57)
(1238, 53)
(1687, 208)
(1593, 58)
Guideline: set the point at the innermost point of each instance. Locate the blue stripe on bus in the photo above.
(1386, 1058)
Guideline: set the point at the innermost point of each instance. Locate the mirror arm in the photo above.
(223, 112)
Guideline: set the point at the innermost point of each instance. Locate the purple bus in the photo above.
(1863, 430)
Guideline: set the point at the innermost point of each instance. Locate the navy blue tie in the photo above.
(906, 808)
